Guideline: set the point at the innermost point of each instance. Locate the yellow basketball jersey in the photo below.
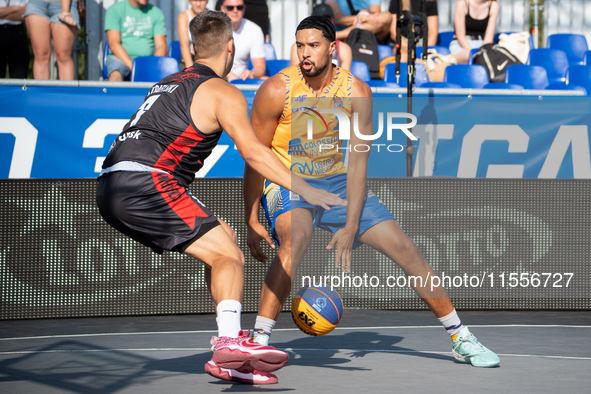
(321, 155)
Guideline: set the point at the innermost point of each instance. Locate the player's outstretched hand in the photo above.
(255, 234)
(344, 239)
(323, 198)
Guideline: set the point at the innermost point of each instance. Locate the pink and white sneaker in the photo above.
(234, 353)
(245, 374)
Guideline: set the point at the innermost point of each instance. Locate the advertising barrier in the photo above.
(66, 131)
(493, 243)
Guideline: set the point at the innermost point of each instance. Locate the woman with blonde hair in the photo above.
(475, 22)
(196, 7)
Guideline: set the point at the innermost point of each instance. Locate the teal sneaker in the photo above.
(467, 349)
(261, 337)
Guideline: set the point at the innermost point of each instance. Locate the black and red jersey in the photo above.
(162, 134)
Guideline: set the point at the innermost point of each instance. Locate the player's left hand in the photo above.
(344, 239)
(255, 234)
(322, 198)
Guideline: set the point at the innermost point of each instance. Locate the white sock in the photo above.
(265, 324)
(229, 318)
(452, 323)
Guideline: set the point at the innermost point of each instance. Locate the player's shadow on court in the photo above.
(193, 364)
(324, 351)
(78, 367)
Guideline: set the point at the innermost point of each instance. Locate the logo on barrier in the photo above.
(75, 267)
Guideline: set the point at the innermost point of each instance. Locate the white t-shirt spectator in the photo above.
(7, 3)
(249, 42)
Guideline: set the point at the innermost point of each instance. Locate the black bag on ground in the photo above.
(496, 60)
(364, 46)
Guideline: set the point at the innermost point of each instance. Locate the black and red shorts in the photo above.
(153, 209)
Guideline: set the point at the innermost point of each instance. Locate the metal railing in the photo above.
(24, 83)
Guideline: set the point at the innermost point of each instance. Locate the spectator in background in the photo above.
(195, 8)
(134, 28)
(367, 15)
(249, 42)
(342, 56)
(256, 11)
(475, 22)
(43, 24)
(432, 23)
(14, 44)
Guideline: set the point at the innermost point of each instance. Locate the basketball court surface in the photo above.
(370, 351)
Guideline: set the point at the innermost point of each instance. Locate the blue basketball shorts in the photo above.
(277, 200)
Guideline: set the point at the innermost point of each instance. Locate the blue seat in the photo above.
(390, 76)
(174, 50)
(564, 86)
(385, 51)
(153, 68)
(252, 81)
(360, 70)
(439, 49)
(530, 77)
(553, 60)
(575, 46)
(105, 55)
(466, 75)
(587, 58)
(274, 66)
(473, 52)
(502, 85)
(444, 85)
(270, 51)
(444, 38)
(579, 76)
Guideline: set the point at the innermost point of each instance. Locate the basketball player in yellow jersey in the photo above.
(292, 220)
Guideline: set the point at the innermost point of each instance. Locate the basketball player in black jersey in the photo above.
(142, 188)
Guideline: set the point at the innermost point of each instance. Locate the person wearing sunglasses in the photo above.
(249, 41)
(256, 11)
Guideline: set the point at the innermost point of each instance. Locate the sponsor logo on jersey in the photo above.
(296, 148)
(310, 148)
(313, 168)
(304, 109)
(163, 88)
(130, 134)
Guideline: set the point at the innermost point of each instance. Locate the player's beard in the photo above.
(315, 70)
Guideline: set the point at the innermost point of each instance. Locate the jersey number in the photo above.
(144, 108)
